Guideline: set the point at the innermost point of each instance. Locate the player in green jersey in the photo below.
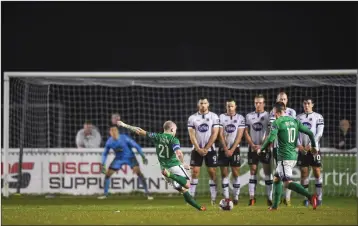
(171, 159)
(286, 129)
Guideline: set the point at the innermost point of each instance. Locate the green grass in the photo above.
(65, 210)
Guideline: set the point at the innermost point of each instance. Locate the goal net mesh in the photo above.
(46, 113)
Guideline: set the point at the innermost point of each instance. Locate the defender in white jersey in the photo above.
(315, 123)
(203, 129)
(255, 133)
(230, 133)
(282, 97)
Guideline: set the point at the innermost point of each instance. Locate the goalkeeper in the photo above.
(170, 158)
(122, 146)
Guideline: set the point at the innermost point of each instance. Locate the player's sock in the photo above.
(319, 188)
(268, 182)
(287, 194)
(252, 185)
(225, 186)
(106, 185)
(193, 184)
(181, 180)
(299, 189)
(278, 192)
(213, 190)
(144, 183)
(305, 183)
(189, 199)
(236, 185)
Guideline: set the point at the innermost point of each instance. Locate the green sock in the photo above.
(299, 189)
(189, 199)
(181, 180)
(277, 186)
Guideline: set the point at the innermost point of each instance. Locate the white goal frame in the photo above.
(180, 74)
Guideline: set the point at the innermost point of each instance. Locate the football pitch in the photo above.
(120, 210)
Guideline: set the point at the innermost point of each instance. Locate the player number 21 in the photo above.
(291, 134)
(162, 148)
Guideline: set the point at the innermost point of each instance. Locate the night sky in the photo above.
(143, 36)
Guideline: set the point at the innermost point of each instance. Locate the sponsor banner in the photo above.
(78, 172)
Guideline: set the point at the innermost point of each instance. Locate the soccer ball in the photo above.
(226, 204)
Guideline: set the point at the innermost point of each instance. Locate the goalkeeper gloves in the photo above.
(104, 169)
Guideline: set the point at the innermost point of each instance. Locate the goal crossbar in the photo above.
(183, 74)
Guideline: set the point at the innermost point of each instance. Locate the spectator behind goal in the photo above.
(345, 139)
(88, 137)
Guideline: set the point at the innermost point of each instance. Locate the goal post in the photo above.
(147, 99)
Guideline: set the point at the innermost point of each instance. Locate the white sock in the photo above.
(236, 185)
(269, 186)
(252, 186)
(305, 183)
(213, 191)
(288, 194)
(193, 184)
(225, 186)
(319, 187)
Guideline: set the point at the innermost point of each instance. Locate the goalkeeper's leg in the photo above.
(142, 179)
(107, 178)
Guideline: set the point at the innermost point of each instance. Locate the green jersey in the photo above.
(165, 147)
(287, 130)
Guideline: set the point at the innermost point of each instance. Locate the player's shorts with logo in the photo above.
(180, 171)
(254, 158)
(117, 163)
(233, 160)
(305, 160)
(284, 169)
(211, 158)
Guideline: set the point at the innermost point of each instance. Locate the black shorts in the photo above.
(233, 160)
(309, 160)
(211, 159)
(254, 158)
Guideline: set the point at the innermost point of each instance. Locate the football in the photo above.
(226, 204)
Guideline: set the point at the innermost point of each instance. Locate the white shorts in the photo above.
(284, 169)
(180, 171)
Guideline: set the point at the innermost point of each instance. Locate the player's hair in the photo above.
(306, 98)
(113, 125)
(203, 98)
(116, 114)
(88, 122)
(280, 106)
(168, 125)
(230, 100)
(280, 94)
(260, 96)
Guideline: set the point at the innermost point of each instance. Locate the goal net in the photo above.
(44, 111)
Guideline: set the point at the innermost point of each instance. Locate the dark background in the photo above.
(126, 36)
(136, 36)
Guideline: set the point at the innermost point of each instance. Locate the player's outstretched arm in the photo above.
(134, 129)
